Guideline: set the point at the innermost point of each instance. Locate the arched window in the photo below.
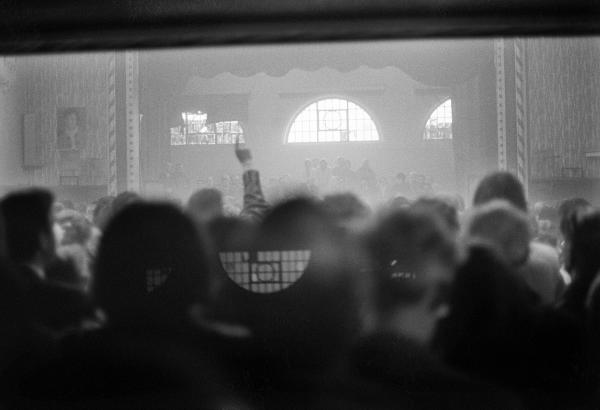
(196, 131)
(332, 120)
(439, 124)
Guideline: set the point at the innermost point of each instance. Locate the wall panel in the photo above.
(564, 107)
(61, 81)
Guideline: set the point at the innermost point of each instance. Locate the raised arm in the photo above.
(255, 205)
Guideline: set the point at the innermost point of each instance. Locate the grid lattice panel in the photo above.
(332, 120)
(439, 124)
(265, 271)
(197, 131)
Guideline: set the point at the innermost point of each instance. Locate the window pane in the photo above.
(332, 120)
(197, 131)
(439, 125)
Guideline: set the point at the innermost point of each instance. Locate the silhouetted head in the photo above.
(486, 289)
(151, 266)
(102, 211)
(442, 207)
(28, 221)
(569, 211)
(487, 299)
(346, 209)
(311, 321)
(398, 202)
(501, 185)
(123, 200)
(205, 205)
(585, 246)
(414, 257)
(503, 227)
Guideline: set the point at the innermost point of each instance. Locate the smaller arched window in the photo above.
(439, 124)
(197, 131)
(332, 120)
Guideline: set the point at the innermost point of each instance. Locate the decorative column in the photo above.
(132, 104)
(112, 125)
(521, 111)
(124, 123)
(510, 59)
(501, 102)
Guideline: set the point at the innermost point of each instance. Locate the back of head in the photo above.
(150, 267)
(486, 291)
(102, 211)
(504, 227)
(568, 212)
(205, 205)
(27, 216)
(345, 208)
(123, 200)
(412, 253)
(442, 207)
(314, 319)
(501, 185)
(585, 248)
(487, 303)
(398, 202)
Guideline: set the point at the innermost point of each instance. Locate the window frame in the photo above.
(187, 138)
(349, 99)
(437, 105)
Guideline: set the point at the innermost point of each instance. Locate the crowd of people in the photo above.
(419, 304)
(364, 181)
(319, 178)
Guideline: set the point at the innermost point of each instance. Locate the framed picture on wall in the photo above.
(70, 128)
